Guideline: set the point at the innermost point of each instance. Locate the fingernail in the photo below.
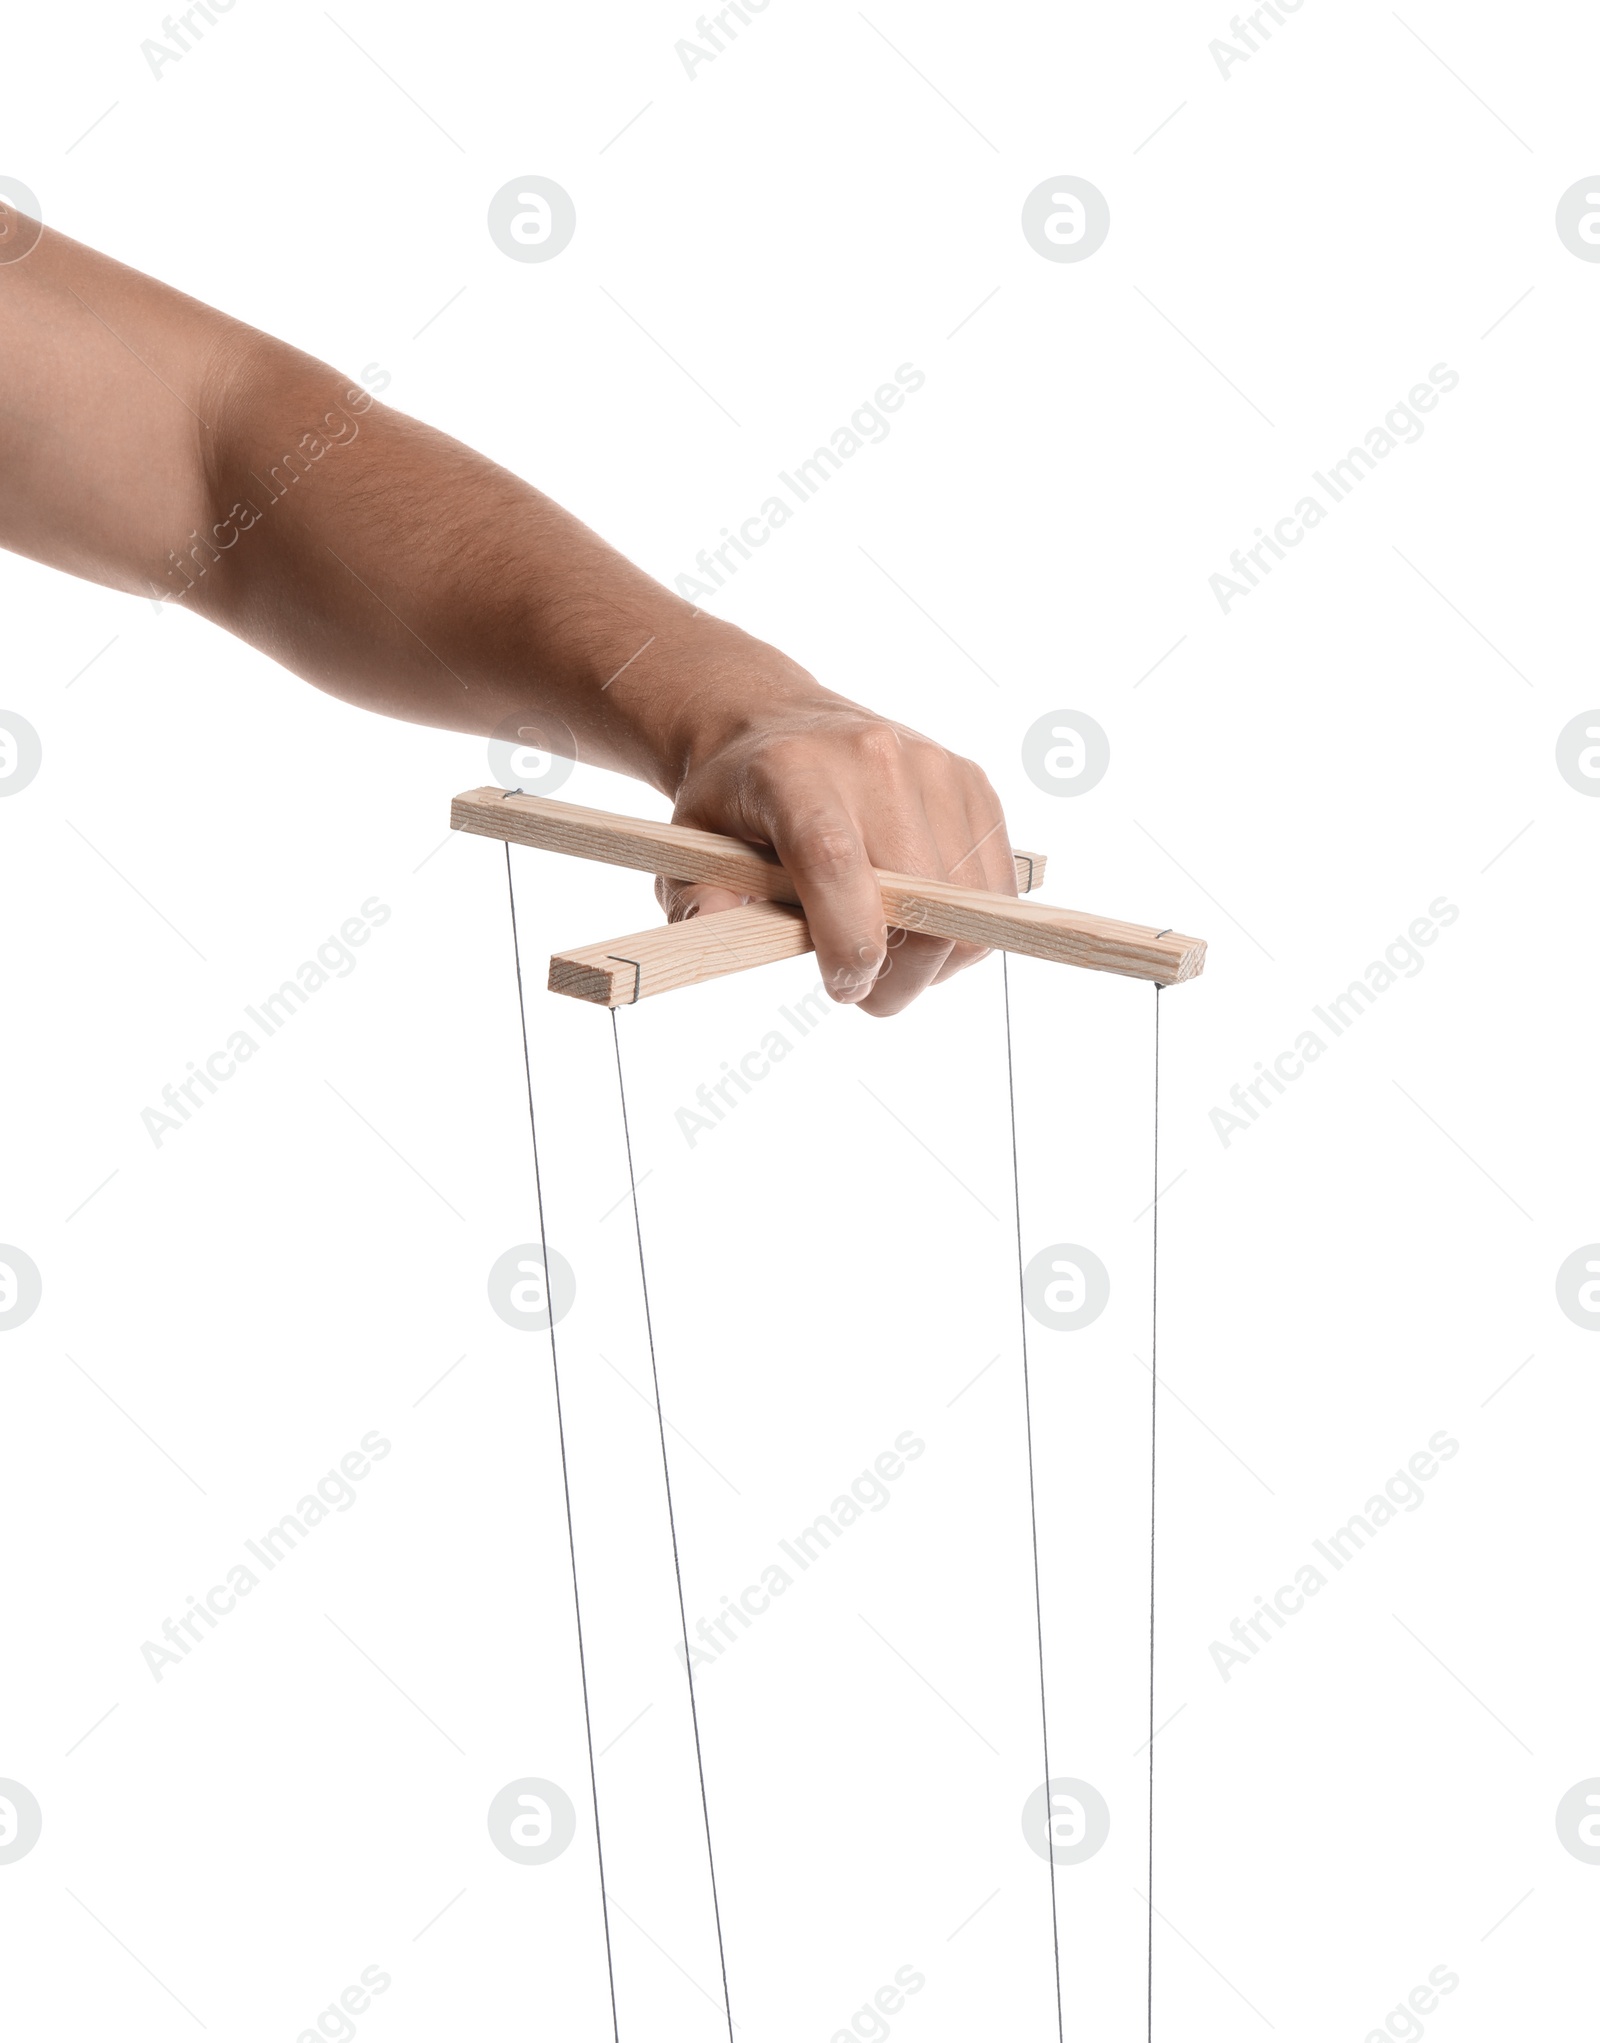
(852, 984)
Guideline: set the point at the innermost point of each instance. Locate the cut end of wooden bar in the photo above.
(1194, 959)
(602, 984)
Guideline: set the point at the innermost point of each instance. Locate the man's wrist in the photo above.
(697, 686)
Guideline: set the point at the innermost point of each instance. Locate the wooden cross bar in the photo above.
(770, 927)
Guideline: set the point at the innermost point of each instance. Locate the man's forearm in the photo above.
(158, 445)
(396, 567)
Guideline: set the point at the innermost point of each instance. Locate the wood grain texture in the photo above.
(677, 954)
(1064, 936)
(674, 954)
(669, 849)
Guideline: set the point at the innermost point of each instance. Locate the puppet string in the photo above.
(1033, 1506)
(561, 1435)
(672, 1526)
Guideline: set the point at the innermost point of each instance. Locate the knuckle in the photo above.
(880, 744)
(826, 852)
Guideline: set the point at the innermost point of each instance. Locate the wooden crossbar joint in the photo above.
(768, 928)
(677, 954)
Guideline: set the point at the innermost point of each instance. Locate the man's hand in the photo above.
(837, 791)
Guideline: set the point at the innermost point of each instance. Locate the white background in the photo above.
(1369, 1798)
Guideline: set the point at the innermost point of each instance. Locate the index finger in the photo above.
(821, 848)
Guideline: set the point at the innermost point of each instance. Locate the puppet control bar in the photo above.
(629, 968)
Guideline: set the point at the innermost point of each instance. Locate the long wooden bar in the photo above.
(1065, 936)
